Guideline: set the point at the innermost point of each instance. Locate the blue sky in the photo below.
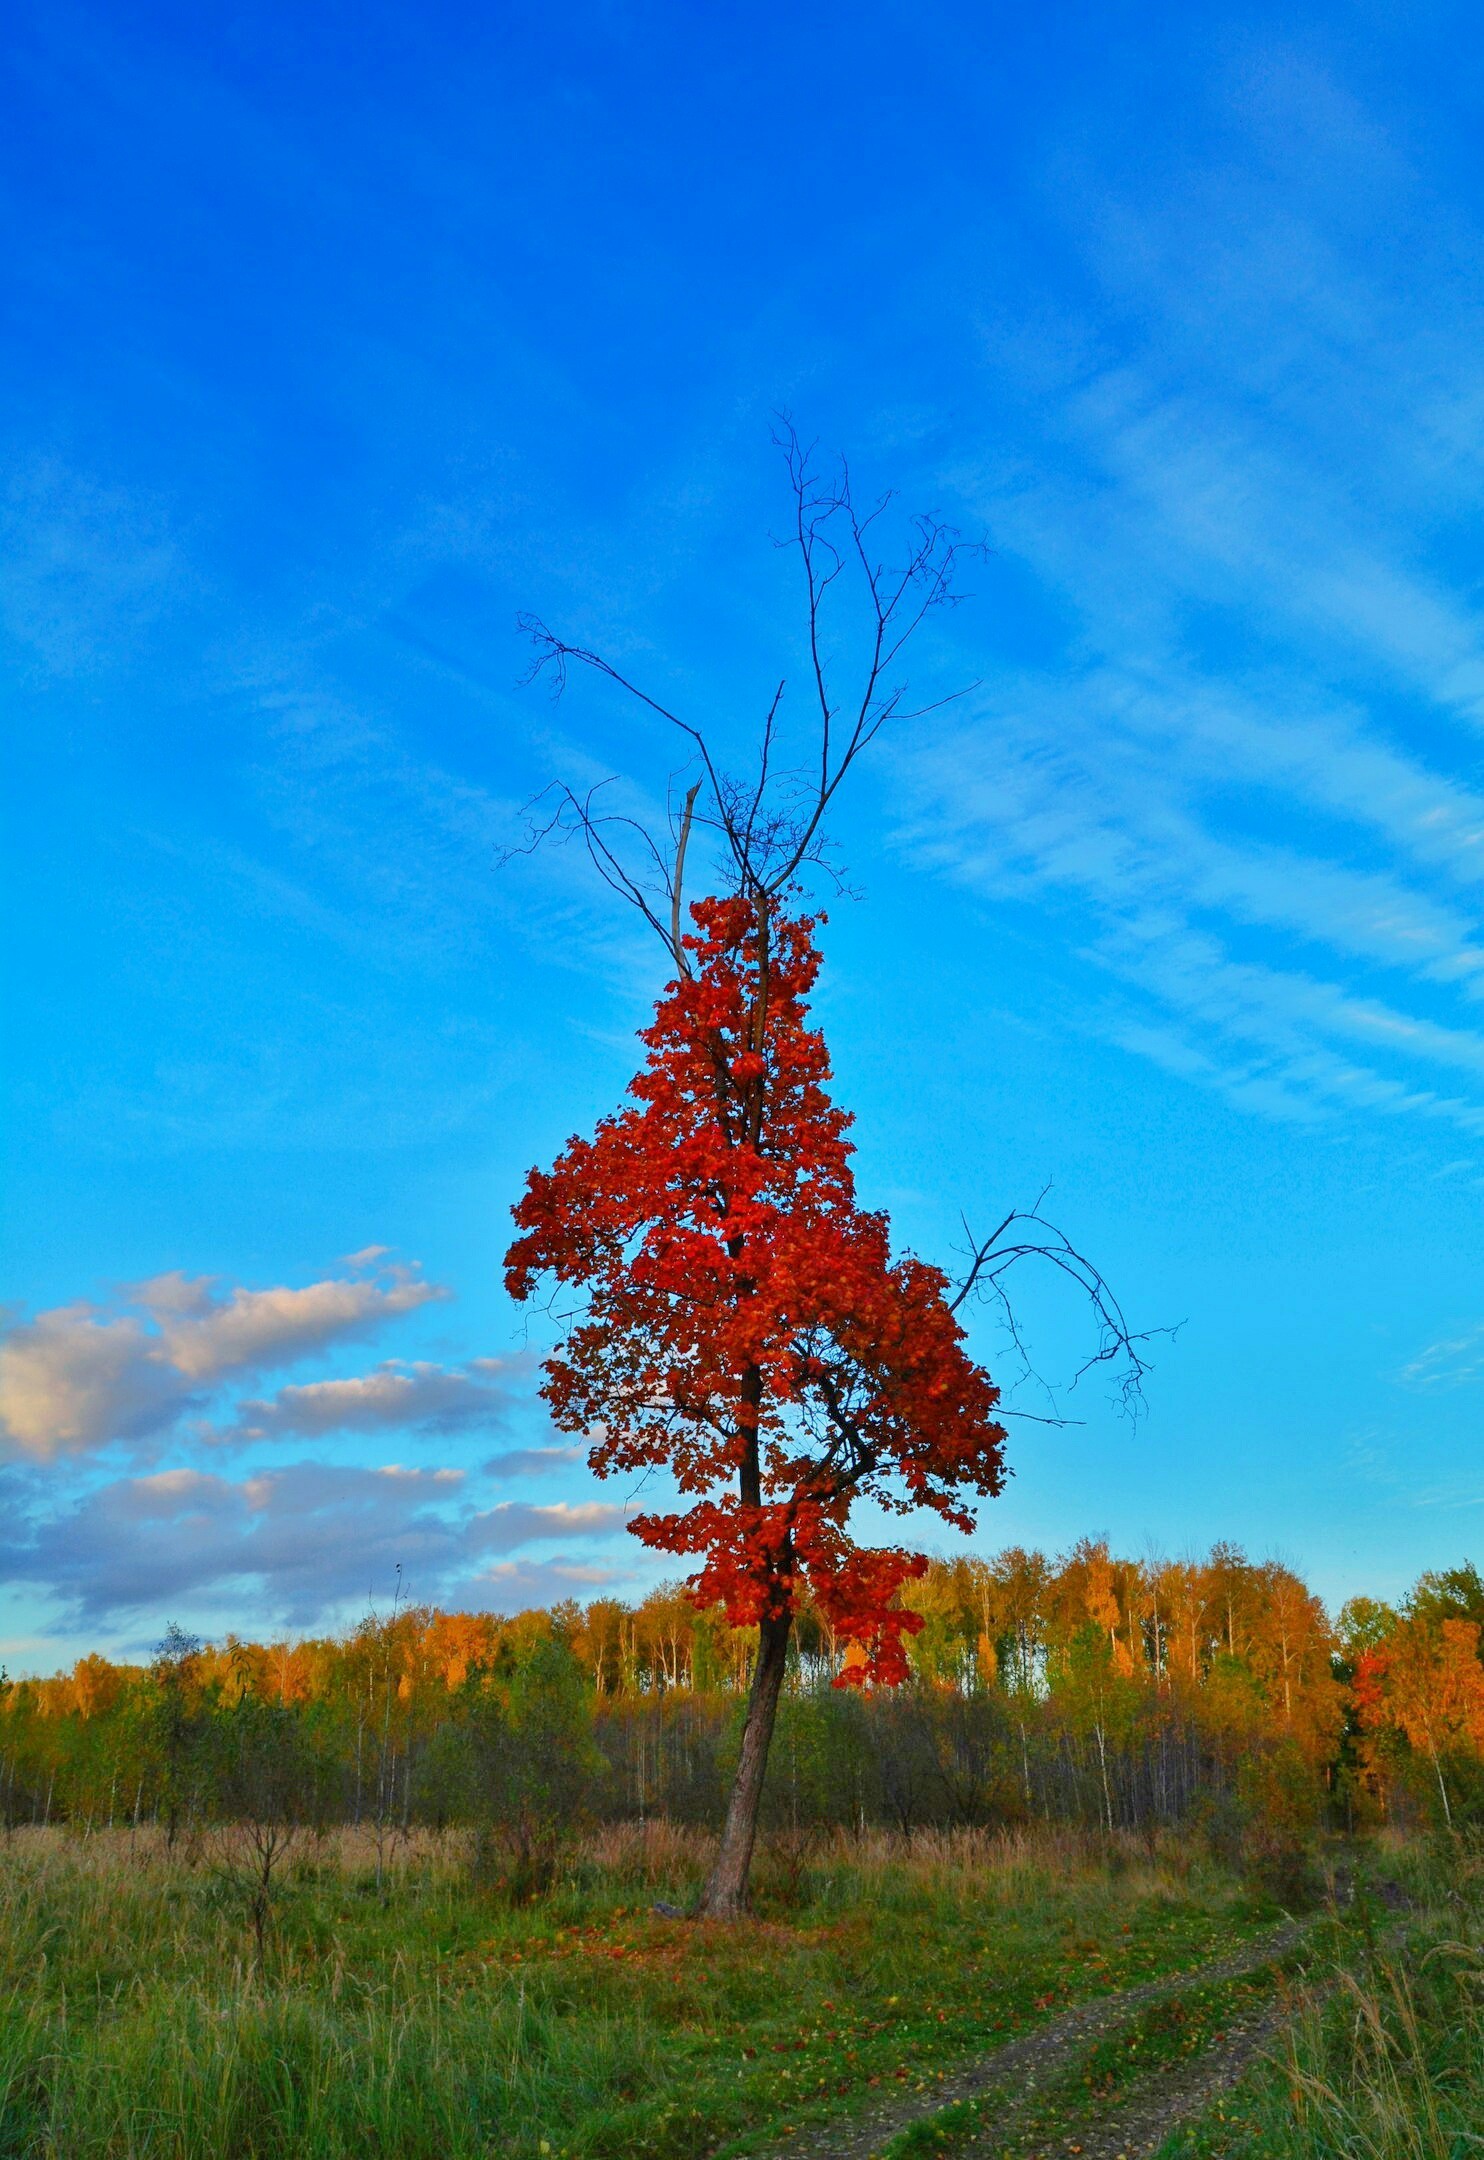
(334, 339)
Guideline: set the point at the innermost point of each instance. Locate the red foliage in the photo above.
(1369, 1686)
(746, 1327)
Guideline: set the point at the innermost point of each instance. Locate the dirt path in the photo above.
(1036, 2058)
(1140, 2125)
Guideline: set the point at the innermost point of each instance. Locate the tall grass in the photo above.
(135, 2020)
(1384, 2056)
(1396, 2072)
(243, 2072)
(429, 2014)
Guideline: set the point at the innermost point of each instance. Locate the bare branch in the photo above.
(1026, 1234)
(773, 827)
(681, 844)
(760, 791)
(575, 817)
(555, 653)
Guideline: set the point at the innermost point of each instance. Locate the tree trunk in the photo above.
(725, 1895)
(1442, 1785)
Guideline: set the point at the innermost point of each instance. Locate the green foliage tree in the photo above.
(175, 1725)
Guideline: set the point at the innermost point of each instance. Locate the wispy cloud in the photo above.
(336, 776)
(1245, 785)
(84, 568)
(1452, 1361)
(531, 1462)
(529, 1583)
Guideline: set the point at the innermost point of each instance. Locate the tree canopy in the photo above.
(746, 1326)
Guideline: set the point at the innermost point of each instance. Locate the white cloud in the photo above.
(189, 1296)
(263, 1327)
(77, 1376)
(429, 1396)
(1452, 1361)
(301, 1541)
(69, 1380)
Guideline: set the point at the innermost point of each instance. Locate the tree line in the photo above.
(1091, 1689)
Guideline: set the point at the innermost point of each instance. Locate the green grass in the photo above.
(437, 2019)
(1087, 2093)
(1385, 2060)
(1379, 2056)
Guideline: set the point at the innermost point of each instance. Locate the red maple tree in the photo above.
(745, 1326)
(746, 1329)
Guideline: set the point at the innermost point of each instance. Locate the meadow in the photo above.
(1137, 1861)
(406, 2003)
(436, 2017)
(1380, 2055)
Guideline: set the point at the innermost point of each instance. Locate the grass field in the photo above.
(433, 2017)
(1365, 2041)
(1383, 2055)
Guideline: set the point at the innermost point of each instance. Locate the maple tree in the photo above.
(745, 1323)
(747, 1329)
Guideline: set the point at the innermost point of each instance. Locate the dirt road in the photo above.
(1037, 2058)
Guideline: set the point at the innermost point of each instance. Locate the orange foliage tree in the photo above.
(1425, 1682)
(747, 1329)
